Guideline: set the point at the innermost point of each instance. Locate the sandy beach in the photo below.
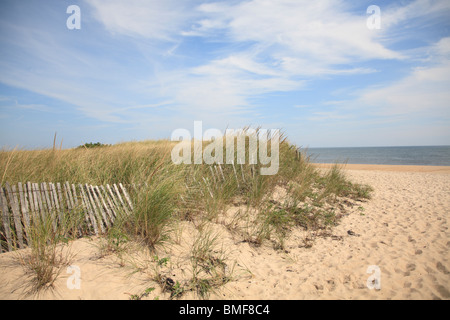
(399, 237)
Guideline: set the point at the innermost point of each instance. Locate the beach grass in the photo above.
(269, 206)
(49, 250)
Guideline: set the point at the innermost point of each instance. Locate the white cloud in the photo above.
(424, 91)
(320, 31)
(410, 12)
(283, 44)
(224, 86)
(251, 48)
(297, 37)
(153, 19)
(272, 46)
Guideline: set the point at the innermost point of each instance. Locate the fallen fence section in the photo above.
(22, 206)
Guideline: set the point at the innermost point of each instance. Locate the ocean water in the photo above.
(427, 156)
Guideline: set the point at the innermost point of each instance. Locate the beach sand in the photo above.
(402, 232)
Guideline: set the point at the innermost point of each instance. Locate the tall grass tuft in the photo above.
(335, 184)
(154, 209)
(49, 250)
(209, 268)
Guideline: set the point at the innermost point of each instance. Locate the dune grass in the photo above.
(49, 250)
(199, 193)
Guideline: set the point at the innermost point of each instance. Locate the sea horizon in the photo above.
(438, 155)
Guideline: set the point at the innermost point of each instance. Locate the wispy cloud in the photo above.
(282, 46)
(423, 91)
(160, 64)
(315, 30)
(415, 12)
(152, 19)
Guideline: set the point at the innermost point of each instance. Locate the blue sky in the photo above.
(140, 69)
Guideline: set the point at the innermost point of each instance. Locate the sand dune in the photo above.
(402, 231)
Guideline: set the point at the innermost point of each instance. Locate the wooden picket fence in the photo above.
(20, 205)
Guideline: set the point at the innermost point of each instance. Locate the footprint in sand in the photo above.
(331, 285)
(410, 267)
(442, 268)
(443, 291)
(318, 287)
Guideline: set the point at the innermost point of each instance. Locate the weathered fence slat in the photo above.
(80, 203)
(68, 194)
(12, 193)
(45, 205)
(113, 197)
(111, 206)
(37, 195)
(126, 196)
(50, 204)
(31, 200)
(1, 223)
(5, 219)
(106, 212)
(120, 198)
(100, 212)
(22, 205)
(55, 201)
(95, 208)
(75, 197)
(72, 202)
(61, 201)
(88, 208)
